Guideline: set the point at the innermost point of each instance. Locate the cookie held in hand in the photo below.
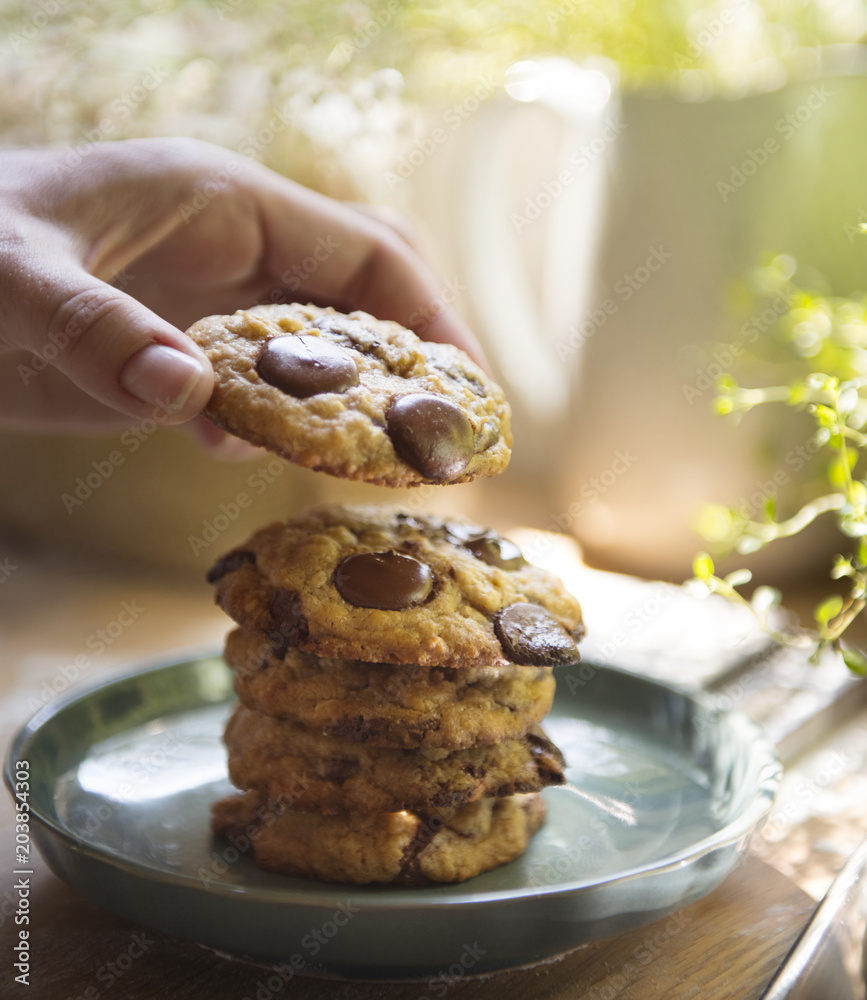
(354, 396)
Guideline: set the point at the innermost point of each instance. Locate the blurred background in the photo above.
(611, 193)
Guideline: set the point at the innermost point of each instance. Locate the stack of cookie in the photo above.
(392, 670)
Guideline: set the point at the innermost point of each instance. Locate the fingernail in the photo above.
(161, 376)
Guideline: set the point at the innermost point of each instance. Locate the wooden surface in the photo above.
(726, 946)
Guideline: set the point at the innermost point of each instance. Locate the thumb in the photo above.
(108, 344)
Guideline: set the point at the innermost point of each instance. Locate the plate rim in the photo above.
(745, 824)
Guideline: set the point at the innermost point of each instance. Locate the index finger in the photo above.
(349, 260)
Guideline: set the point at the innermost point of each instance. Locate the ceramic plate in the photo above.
(664, 791)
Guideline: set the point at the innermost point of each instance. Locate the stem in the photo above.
(844, 451)
(746, 399)
(800, 639)
(845, 619)
(859, 439)
(797, 522)
(819, 392)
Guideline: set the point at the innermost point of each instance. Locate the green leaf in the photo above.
(702, 566)
(848, 400)
(828, 609)
(785, 265)
(739, 577)
(839, 468)
(822, 436)
(855, 661)
(764, 598)
(842, 567)
(715, 523)
(749, 544)
(825, 416)
(858, 418)
(852, 522)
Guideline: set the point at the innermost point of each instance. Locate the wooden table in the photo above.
(725, 946)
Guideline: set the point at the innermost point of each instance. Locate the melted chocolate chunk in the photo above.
(306, 366)
(485, 544)
(530, 636)
(431, 434)
(362, 729)
(385, 580)
(549, 759)
(353, 333)
(496, 551)
(228, 564)
(408, 521)
(289, 623)
(458, 532)
(339, 771)
(410, 862)
(488, 434)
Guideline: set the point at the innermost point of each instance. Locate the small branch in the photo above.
(797, 522)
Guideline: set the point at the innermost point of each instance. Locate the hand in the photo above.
(109, 252)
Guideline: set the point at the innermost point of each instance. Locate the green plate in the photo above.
(664, 791)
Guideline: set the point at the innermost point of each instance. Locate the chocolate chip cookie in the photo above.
(378, 584)
(354, 396)
(389, 705)
(312, 772)
(447, 845)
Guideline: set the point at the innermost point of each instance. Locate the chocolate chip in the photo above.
(460, 532)
(306, 366)
(485, 544)
(488, 434)
(339, 771)
(289, 624)
(228, 563)
(442, 358)
(496, 551)
(381, 732)
(410, 862)
(385, 580)
(549, 759)
(431, 434)
(351, 332)
(408, 521)
(530, 636)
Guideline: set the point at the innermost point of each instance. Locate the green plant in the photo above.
(227, 63)
(812, 331)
